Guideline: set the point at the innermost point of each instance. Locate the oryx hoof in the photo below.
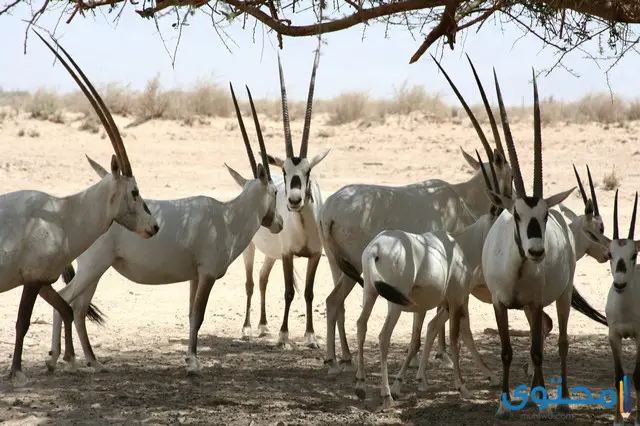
(464, 392)
(71, 366)
(334, 368)
(422, 386)
(263, 330)
(503, 412)
(285, 345)
(346, 366)
(246, 333)
(396, 389)
(51, 363)
(445, 361)
(361, 391)
(310, 341)
(18, 378)
(494, 381)
(193, 366)
(387, 402)
(97, 367)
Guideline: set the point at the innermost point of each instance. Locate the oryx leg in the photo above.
(537, 355)
(193, 288)
(547, 326)
(248, 256)
(455, 314)
(436, 323)
(384, 341)
(267, 265)
(414, 346)
(66, 312)
(467, 339)
(335, 313)
(312, 267)
(563, 308)
(205, 284)
(441, 354)
(502, 321)
(80, 308)
(289, 292)
(27, 301)
(369, 297)
(615, 341)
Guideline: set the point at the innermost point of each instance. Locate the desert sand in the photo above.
(143, 343)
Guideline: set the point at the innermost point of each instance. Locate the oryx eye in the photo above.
(633, 258)
(135, 194)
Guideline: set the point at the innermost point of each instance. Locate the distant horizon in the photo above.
(133, 53)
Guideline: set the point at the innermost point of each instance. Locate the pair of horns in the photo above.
(474, 121)
(307, 116)
(98, 105)
(486, 177)
(243, 130)
(633, 217)
(594, 199)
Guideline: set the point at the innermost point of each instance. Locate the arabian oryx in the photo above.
(622, 311)
(42, 233)
(199, 238)
(299, 200)
(416, 273)
(528, 261)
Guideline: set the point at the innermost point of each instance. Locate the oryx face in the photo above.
(530, 215)
(623, 262)
(593, 228)
(296, 172)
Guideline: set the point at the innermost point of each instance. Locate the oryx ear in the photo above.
(262, 174)
(568, 212)
(274, 161)
(97, 167)
(236, 176)
(115, 166)
(475, 165)
(498, 158)
(499, 200)
(588, 209)
(558, 198)
(318, 158)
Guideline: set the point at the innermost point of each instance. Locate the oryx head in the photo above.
(296, 170)
(592, 224)
(623, 252)
(125, 204)
(272, 219)
(497, 156)
(530, 213)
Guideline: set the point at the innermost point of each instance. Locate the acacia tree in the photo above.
(565, 25)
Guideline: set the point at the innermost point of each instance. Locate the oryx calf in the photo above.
(622, 310)
(528, 261)
(42, 233)
(199, 238)
(416, 273)
(299, 201)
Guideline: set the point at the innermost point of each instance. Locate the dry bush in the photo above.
(610, 181)
(152, 103)
(348, 107)
(409, 98)
(601, 108)
(119, 98)
(633, 110)
(90, 124)
(43, 105)
(210, 100)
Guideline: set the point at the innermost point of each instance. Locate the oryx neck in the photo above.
(473, 194)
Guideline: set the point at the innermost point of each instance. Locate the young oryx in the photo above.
(42, 233)
(299, 200)
(418, 272)
(200, 237)
(622, 308)
(528, 261)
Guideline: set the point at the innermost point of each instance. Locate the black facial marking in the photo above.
(296, 183)
(146, 209)
(135, 193)
(531, 201)
(296, 160)
(621, 267)
(533, 229)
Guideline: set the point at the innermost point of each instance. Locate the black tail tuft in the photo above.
(94, 313)
(391, 293)
(581, 305)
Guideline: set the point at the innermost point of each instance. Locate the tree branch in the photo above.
(447, 27)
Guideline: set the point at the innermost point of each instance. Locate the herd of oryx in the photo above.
(422, 246)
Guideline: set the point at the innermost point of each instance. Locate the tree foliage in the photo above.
(563, 24)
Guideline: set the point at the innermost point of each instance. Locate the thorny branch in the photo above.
(562, 24)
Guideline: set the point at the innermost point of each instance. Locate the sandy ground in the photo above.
(144, 341)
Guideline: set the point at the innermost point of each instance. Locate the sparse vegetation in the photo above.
(206, 99)
(610, 181)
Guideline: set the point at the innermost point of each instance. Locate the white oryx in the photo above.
(198, 240)
(42, 233)
(528, 261)
(416, 273)
(299, 201)
(622, 311)
(352, 216)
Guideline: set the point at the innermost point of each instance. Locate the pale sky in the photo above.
(133, 53)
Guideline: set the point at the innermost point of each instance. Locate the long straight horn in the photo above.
(632, 227)
(307, 115)
(476, 125)
(96, 102)
(496, 189)
(594, 199)
(513, 156)
(263, 149)
(285, 113)
(615, 217)
(247, 144)
(537, 142)
(582, 192)
(492, 119)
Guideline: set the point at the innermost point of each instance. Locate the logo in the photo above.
(608, 397)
